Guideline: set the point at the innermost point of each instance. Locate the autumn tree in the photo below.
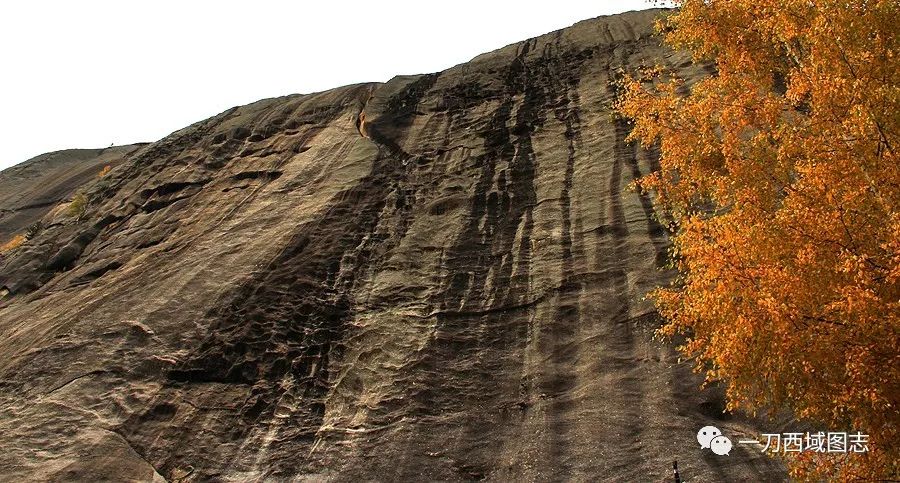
(781, 177)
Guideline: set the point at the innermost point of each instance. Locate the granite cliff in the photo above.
(436, 278)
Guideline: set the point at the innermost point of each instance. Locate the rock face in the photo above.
(435, 278)
(30, 190)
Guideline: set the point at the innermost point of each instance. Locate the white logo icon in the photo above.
(706, 434)
(712, 439)
(720, 445)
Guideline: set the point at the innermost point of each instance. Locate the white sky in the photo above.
(84, 74)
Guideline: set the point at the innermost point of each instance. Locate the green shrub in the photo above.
(78, 206)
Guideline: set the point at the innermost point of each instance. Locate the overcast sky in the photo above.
(84, 74)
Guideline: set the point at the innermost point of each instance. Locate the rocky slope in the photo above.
(435, 278)
(30, 190)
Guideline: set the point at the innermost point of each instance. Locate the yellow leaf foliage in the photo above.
(12, 244)
(781, 174)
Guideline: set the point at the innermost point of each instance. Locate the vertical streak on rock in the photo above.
(618, 346)
(655, 230)
(576, 143)
(557, 339)
(473, 332)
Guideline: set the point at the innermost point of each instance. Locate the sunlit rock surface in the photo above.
(32, 189)
(436, 278)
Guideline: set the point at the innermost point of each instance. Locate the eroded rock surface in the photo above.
(436, 278)
(30, 190)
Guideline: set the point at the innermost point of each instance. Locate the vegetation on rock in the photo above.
(12, 244)
(33, 229)
(77, 206)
